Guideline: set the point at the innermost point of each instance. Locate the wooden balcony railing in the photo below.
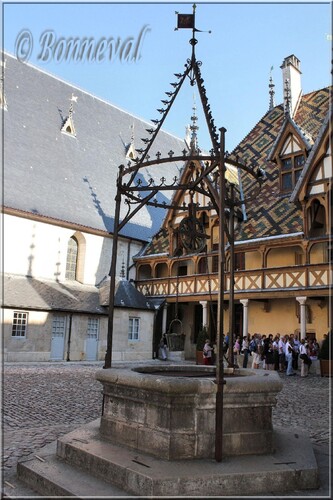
(313, 276)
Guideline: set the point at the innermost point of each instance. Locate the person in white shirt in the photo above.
(296, 345)
(305, 359)
(246, 350)
(289, 356)
(208, 353)
(282, 357)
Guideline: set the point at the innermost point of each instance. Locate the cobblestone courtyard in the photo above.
(42, 401)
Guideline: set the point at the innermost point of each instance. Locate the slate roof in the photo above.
(73, 179)
(270, 214)
(24, 292)
(128, 296)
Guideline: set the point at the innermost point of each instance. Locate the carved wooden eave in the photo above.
(317, 169)
(270, 241)
(289, 127)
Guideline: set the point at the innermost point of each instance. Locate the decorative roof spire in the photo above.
(194, 128)
(72, 99)
(292, 90)
(287, 99)
(132, 134)
(271, 91)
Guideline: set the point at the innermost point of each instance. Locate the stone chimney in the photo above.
(292, 89)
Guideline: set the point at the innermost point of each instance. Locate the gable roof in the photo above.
(307, 166)
(289, 123)
(270, 213)
(125, 296)
(72, 178)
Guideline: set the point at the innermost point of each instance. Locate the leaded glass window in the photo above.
(71, 262)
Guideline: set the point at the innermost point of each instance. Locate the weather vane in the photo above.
(187, 21)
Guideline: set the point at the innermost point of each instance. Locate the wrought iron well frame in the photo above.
(221, 199)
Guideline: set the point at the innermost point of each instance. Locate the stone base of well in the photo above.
(156, 438)
(169, 411)
(85, 464)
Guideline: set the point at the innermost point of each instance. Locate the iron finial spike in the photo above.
(132, 133)
(287, 97)
(271, 91)
(194, 128)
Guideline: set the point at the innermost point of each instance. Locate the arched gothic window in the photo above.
(71, 261)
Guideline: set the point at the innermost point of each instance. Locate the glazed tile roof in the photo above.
(159, 244)
(270, 214)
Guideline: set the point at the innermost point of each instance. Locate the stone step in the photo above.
(14, 488)
(292, 467)
(83, 464)
(50, 476)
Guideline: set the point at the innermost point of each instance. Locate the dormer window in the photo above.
(291, 168)
(68, 127)
(130, 151)
(68, 124)
(130, 148)
(291, 159)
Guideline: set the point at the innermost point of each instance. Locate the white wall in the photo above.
(39, 249)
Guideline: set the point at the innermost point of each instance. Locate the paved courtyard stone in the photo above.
(43, 401)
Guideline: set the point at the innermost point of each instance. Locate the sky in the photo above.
(137, 51)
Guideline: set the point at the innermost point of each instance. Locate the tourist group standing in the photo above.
(282, 353)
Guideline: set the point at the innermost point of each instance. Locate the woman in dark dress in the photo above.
(269, 357)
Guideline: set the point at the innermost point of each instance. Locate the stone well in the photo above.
(169, 411)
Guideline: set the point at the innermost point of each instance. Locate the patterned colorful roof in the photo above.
(159, 244)
(271, 213)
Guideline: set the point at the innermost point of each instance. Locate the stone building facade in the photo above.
(62, 150)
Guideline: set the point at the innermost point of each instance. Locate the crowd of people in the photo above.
(282, 353)
(278, 352)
